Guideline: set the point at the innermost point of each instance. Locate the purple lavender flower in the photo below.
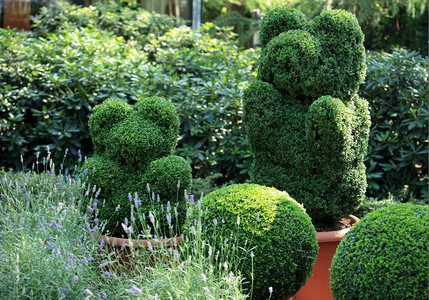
(191, 199)
(128, 230)
(85, 171)
(203, 277)
(215, 222)
(225, 266)
(149, 246)
(75, 278)
(148, 187)
(270, 289)
(135, 290)
(156, 296)
(58, 253)
(49, 245)
(107, 274)
(6, 219)
(151, 218)
(54, 224)
(48, 172)
(169, 219)
(117, 208)
(168, 206)
(130, 198)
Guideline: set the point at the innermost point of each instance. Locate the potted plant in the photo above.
(307, 127)
(384, 256)
(270, 223)
(133, 147)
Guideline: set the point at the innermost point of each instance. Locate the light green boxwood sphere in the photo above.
(276, 225)
(384, 256)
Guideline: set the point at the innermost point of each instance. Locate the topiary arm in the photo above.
(329, 135)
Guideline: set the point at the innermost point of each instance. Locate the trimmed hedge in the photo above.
(272, 222)
(307, 127)
(384, 256)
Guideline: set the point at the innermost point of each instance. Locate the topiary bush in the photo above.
(307, 127)
(134, 147)
(283, 237)
(384, 256)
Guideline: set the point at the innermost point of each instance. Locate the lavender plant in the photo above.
(45, 249)
(50, 246)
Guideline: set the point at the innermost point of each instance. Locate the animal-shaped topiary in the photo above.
(133, 147)
(384, 256)
(307, 127)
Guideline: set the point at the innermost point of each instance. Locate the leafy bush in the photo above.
(306, 141)
(133, 148)
(275, 225)
(384, 256)
(397, 159)
(63, 75)
(121, 19)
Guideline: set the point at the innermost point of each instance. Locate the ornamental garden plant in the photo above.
(134, 147)
(384, 256)
(307, 126)
(275, 228)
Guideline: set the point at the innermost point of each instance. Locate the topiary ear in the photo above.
(342, 60)
(279, 20)
(103, 117)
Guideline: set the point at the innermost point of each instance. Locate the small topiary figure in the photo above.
(307, 127)
(384, 256)
(133, 147)
(271, 221)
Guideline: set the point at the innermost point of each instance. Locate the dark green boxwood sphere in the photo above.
(384, 256)
(133, 148)
(274, 223)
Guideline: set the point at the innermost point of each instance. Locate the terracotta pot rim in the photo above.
(115, 241)
(335, 235)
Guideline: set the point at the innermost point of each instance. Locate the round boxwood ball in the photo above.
(384, 256)
(271, 222)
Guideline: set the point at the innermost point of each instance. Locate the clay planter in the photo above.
(122, 252)
(318, 285)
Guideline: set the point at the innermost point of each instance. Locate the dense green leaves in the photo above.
(272, 223)
(384, 256)
(397, 90)
(307, 127)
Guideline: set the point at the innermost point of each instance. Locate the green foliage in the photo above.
(385, 24)
(311, 146)
(50, 85)
(134, 144)
(272, 223)
(397, 159)
(122, 20)
(370, 204)
(384, 256)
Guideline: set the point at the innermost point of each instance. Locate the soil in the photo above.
(337, 225)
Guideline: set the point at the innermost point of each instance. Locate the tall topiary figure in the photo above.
(133, 147)
(307, 127)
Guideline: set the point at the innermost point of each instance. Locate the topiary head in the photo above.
(311, 59)
(135, 135)
(384, 256)
(272, 222)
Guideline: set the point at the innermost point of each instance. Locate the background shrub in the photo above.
(271, 222)
(61, 76)
(384, 256)
(397, 160)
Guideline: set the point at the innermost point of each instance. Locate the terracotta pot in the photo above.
(121, 248)
(318, 285)
(16, 14)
